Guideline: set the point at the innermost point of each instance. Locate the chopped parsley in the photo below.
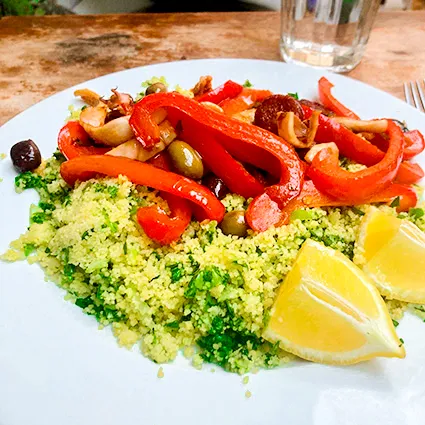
(395, 323)
(294, 95)
(29, 180)
(395, 202)
(28, 249)
(173, 325)
(206, 279)
(247, 84)
(416, 213)
(113, 191)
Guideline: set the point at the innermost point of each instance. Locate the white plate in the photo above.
(57, 368)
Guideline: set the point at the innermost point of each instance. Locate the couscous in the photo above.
(207, 294)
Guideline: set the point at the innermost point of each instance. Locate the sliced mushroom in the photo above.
(113, 133)
(88, 96)
(204, 85)
(372, 126)
(212, 106)
(309, 156)
(134, 150)
(245, 116)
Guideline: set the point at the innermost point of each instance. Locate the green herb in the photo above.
(85, 235)
(84, 107)
(99, 187)
(176, 273)
(302, 215)
(83, 302)
(247, 84)
(28, 249)
(47, 250)
(173, 325)
(113, 191)
(205, 280)
(29, 180)
(401, 342)
(395, 323)
(65, 255)
(395, 202)
(46, 206)
(125, 249)
(113, 226)
(357, 211)
(416, 213)
(294, 95)
(38, 217)
(59, 156)
(68, 273)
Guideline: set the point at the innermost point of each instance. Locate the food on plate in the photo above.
(324, 286)
(392, 252)
(182, 217)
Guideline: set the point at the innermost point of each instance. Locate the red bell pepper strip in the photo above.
(355, 147)
(245, 100)
(409, 173)
(227, 90)
(147, 134)
(325, 95)
(414, 143)
(359, 186)
(159, 226)
(221, 163)
(219, 125)
(73, 141)
(154, 221)
(264, 213)
(85, 167)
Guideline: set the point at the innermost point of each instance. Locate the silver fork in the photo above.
(414, 94)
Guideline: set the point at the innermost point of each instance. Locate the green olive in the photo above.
(186, 160)
(156, 88)
(234, 223)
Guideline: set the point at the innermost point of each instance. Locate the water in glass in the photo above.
(330, 34)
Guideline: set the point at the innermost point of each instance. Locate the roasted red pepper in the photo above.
(355, 147)
(221, 126)
(85, 167)
(359, 186)
(221, 163)
(414, 143)
(263, 212)
(228, 90)
(325, 95)
(144, 127)
(409, 173)
(73, 141)
(155, 222)
(159, 226)
(245, 100)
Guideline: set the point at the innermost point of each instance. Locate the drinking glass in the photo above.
(330, 34)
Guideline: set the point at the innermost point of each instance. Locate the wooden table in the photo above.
(42, 55)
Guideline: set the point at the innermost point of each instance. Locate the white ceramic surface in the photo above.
(57, 368)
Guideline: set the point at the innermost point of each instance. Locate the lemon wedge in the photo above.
(393, 255)
(328, 311)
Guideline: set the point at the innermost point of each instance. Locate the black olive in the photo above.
(25, 156)
(216, 185)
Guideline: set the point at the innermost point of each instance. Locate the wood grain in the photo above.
(40, 56)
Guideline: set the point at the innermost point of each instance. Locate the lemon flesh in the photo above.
(328, 311)
(393, 252)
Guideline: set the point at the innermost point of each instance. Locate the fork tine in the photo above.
(408, 95)
(416, 97)
(421, 93)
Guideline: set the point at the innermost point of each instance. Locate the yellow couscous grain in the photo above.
(207, 290)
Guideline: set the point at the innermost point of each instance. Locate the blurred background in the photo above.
(43, 7)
